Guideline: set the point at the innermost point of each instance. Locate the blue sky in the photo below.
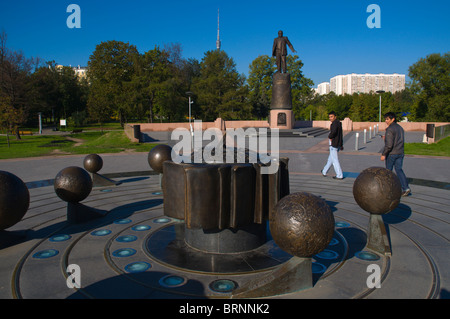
(330, 36)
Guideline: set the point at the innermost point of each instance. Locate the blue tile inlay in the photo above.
(342, 224)
(122, 221)
(126, 239)
(101, 232)
(141, 227)
(367, 255)
(327, 254)
(223, 285)
(318, 268)
(172, 281)
(124, 252)
(61, 237)
(136, 267)
(162, 220)
(48, 253)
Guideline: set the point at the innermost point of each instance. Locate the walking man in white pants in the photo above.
(336, 144)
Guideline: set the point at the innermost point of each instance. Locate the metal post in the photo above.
(370, 132)
(380, 109)
(356, 141)
(190, 116)
(380, 92)
(40, 122)
(365, 137)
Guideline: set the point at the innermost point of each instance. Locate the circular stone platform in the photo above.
(136, 252)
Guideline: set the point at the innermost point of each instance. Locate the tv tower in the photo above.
(218, 43)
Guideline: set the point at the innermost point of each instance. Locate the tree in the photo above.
(57, 92)
(15, 69)
(260, 84)
(431, 83)
(10, 117)
(219, 88)
(110, 65)
(301, 85)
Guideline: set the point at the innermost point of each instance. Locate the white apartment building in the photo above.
(366, 83)
(323, 88)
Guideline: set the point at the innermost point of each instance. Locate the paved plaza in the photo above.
(134, 251)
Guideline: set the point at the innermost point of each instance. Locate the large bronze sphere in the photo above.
(377, 190)
(73, 184)
(14, 199)
(158, 155)
(93, 163)
(302, 224)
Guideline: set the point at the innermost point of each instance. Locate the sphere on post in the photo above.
(377, 190)
(14, 199)
(158, 155)
(302, 224)
(93, 163)
(73, 184)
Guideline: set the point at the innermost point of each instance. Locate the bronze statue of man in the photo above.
(279, 51)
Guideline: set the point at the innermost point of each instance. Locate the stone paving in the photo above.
(133, 252)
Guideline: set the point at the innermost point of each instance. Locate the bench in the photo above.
(25, 132)
(77, 131)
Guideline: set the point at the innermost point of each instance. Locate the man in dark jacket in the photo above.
(393, 152)
(336, 144)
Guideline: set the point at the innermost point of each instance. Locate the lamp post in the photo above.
(380, 92)
(190, 94)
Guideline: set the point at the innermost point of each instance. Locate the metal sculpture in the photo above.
(94, 163)
(301, 224)
(377, 190)
(14, 200)
(73, 185)
(158, 155)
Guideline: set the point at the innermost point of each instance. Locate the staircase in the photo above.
(306, 132)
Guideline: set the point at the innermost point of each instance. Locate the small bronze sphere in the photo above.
(14, 199)
(377, 190)
(73, 184)
(302, 224)
(158, 155)
(93, 163)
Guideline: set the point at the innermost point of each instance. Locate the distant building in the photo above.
(366, 83)
(323, 88)
(80, 72)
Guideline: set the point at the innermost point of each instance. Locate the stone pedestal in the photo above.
(281, 114)
(282, 119)
(281, 92)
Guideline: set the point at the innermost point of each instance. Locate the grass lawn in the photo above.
(82, 143)
(441, 148)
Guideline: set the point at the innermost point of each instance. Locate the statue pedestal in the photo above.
(281, 114)
(282, 119)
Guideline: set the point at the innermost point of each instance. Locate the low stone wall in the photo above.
(347, 125)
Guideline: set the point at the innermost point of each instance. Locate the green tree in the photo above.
(110, 66)
(431, 83)
(10, 117)
(301, 86)
(56, 91)
(260, 84)
(15, 69)
(219, 88)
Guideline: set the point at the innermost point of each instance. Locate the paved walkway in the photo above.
(126, 254)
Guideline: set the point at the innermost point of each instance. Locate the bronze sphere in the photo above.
(14, 199)
(377, 190)
(73, 184)
(93, 163)
(302, 224)
(158, 155)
